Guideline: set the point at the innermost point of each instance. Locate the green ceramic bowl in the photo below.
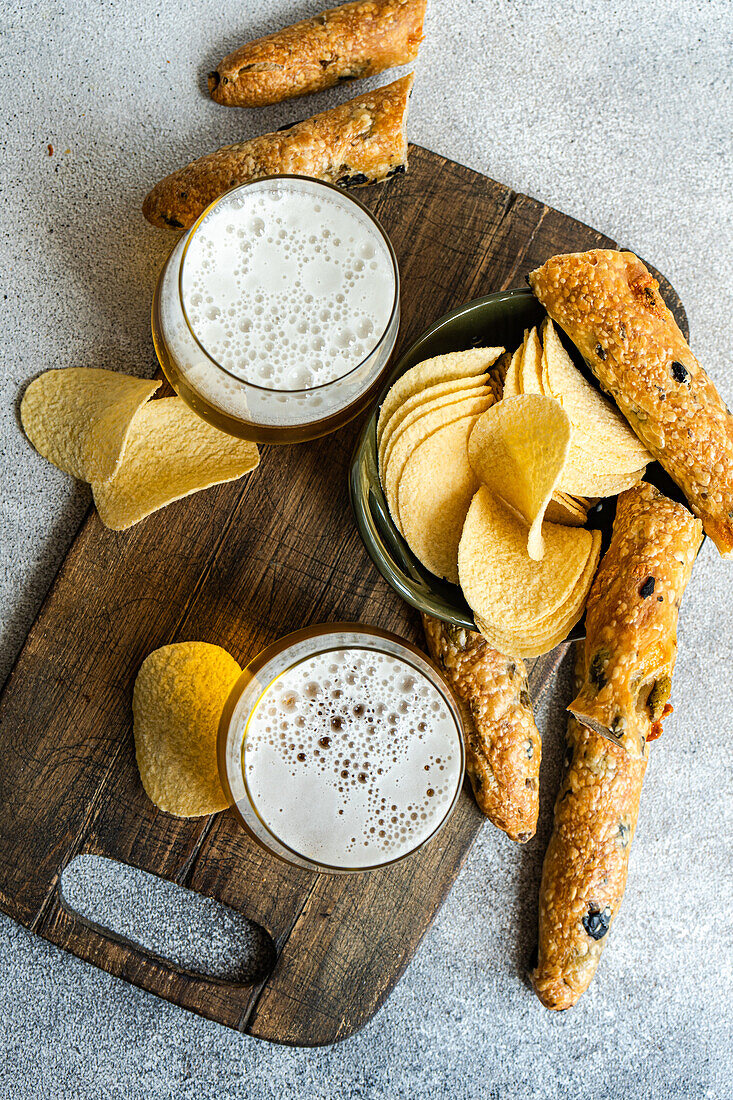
(496, 320)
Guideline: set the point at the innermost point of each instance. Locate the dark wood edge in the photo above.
(355, 1026)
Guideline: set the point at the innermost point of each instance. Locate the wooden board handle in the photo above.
(156, 972)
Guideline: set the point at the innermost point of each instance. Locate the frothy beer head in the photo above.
(351, 757)
(285, 287)
(280, 306)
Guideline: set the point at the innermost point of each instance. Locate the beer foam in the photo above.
(285, 288)
(352, 758)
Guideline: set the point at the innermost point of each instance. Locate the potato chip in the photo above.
(529, 644)
(177, 702)
(433, 509)
(548, 626)
(518, 449)
(546, 388)
(598, 426)
(511, 381)
(551, 629)
(532, 643)
(530, 369)
(170, 454)
(425, 401)
(596, 464)
(562, 509)
(429, 393)
(442, 368)
(577, 478)
(79, 418)
(500, 582)
(402, 447)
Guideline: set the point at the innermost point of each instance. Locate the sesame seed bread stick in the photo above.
(345, 43)
(610, 307)
(586, 862)
(631, 618)
(361, 141)
(503, 746)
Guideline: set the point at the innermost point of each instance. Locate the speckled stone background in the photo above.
(618, 113)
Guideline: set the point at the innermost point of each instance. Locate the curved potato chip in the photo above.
(551, 629)
(413, 408)
(598, 426)
(546, 626)
(441, 368)
(433, 509)
(562, 509)
(389, 439)
(79, 418)
(518, 449)
(530, 368)
(416, 434)
(578, 479)
(177, 702)
(511, 381)
(500, 582)
(170, 454)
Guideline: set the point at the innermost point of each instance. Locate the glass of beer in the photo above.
(341, 749)
(276, 313)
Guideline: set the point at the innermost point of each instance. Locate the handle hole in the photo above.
(190, 932)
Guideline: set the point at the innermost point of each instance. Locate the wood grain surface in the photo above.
(241, 565)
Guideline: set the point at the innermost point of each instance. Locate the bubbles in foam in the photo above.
(275, 259)
(370, 780)
(233, 275)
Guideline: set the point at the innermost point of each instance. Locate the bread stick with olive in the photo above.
(503, 747)
(631, 618)
(345, 43)
(610, 306)
(586, 863)
(361, 141)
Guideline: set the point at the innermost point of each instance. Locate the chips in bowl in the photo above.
(442, 368)
(432, 509)
(605, 456)
(594, 418)
(518, 448)
(404, 444)
(524, 607)
(493, 495)
(415, 407)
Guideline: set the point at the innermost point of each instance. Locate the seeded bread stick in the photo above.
(586, 863)
(610, 307)
(344, 43)
(361, 141)
(631, 618)
(503, 747)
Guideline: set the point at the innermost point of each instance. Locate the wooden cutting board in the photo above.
(241, 565)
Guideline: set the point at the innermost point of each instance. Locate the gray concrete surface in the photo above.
(617, 113)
